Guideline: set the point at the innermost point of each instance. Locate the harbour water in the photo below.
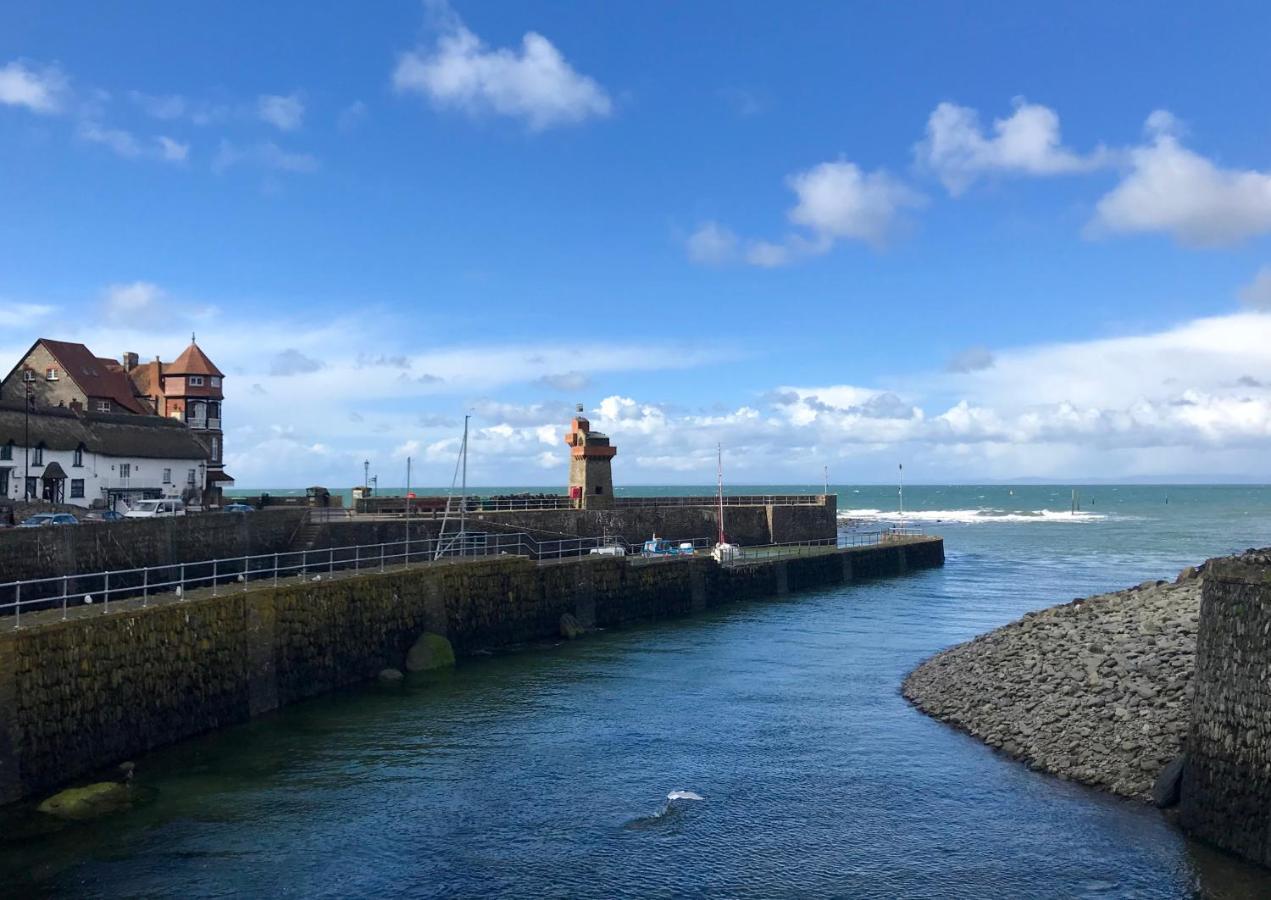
(545, 772)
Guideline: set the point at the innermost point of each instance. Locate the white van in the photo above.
(155, 509)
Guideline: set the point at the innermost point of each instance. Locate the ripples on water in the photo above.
(546, 772)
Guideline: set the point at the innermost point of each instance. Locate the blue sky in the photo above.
(991, 240)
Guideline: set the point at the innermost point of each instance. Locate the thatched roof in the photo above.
(148, 437)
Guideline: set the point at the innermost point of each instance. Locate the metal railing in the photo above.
(436, 507)
(174, 581)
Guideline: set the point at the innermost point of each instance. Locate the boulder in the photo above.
(89, 802)
(1169, 783)
(430, 651)
(390, 676)
(569, 627)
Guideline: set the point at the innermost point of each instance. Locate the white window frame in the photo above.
(50, 374)
(125, 470)
(103, 406)
(80, 483)
(167, 476)
(194, 380)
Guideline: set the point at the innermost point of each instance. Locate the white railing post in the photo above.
(331, 561)
(17, 607)
(214, 568)
(275, 570)
(106, 596)
(381, 557)
(145, 587)
(65, 594)
(181, 578)
(357, 558)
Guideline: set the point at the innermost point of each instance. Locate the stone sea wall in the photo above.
(82, 694)
(1226, 789)
(745, 525)
(28, 553)
(1098, 690)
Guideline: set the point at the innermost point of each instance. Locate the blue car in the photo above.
(238, 507)
(104, 515)
(46, 520)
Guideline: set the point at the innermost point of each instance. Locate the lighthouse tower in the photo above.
(590, 474)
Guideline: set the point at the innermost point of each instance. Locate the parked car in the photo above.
(156, 509)
(104, 515)
(238, 507)
(45, 520)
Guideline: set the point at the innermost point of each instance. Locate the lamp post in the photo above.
(27, 378)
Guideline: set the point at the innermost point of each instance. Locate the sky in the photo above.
(985, 241)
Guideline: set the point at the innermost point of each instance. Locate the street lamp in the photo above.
(27, 378)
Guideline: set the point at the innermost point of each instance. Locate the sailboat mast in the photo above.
(463, 490)
(719, 471)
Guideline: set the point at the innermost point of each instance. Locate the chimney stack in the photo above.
(130, 361)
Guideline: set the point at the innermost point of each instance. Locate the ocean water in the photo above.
(760, 750)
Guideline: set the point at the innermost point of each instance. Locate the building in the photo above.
(71, 456)
(55, 375)
(590, 469)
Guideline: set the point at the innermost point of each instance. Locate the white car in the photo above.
(155, 509)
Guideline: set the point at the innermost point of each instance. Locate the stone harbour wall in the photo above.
(1226, 789)
(745, 525)
(79, 695)
(29, 553)
(1097, 690)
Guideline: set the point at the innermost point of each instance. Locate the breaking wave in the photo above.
(971, 516)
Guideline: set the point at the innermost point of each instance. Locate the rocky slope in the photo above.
(1097, 690)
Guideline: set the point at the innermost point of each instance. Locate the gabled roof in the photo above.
(192, 362)
(103, 378)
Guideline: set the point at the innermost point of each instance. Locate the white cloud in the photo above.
(286, 113)
(265, 155)
(838, 200)
(1257, 293)
(972, 359)
(534, 83)
(167, 107)
(122, 142)
(352, 116)
(1174, 190)
(292, 362)
(172, 151)
(712, 244)
(133, 299)
(41, 90)
(564, 381)
(1028, 142)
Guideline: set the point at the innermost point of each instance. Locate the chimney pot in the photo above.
(130, 360)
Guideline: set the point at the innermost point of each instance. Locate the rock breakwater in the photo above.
(1097, 690)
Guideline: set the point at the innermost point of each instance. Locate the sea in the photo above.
(759, 750)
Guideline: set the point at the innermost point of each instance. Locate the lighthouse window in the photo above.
(599, 489)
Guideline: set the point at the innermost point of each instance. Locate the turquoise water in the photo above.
(545, 772)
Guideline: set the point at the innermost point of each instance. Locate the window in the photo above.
(77, 488)
(6, 451)
(196, 381)
(167, 476)
(125, 470)
(31, 487)
(37, 455)
(28, 375)
(103, 406)
(214, 381)
(4, 482)
(50, 375)
(78, 459)
(599, 489)
(216, 449)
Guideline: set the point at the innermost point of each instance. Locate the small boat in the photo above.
(723, 552)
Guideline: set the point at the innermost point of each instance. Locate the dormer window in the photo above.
(214, 381)
(50, 374)
(103, 406)
(196, 381)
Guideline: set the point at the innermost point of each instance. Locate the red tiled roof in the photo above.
(192, 362)
(103, 378)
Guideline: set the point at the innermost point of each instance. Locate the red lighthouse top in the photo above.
(588, 444)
